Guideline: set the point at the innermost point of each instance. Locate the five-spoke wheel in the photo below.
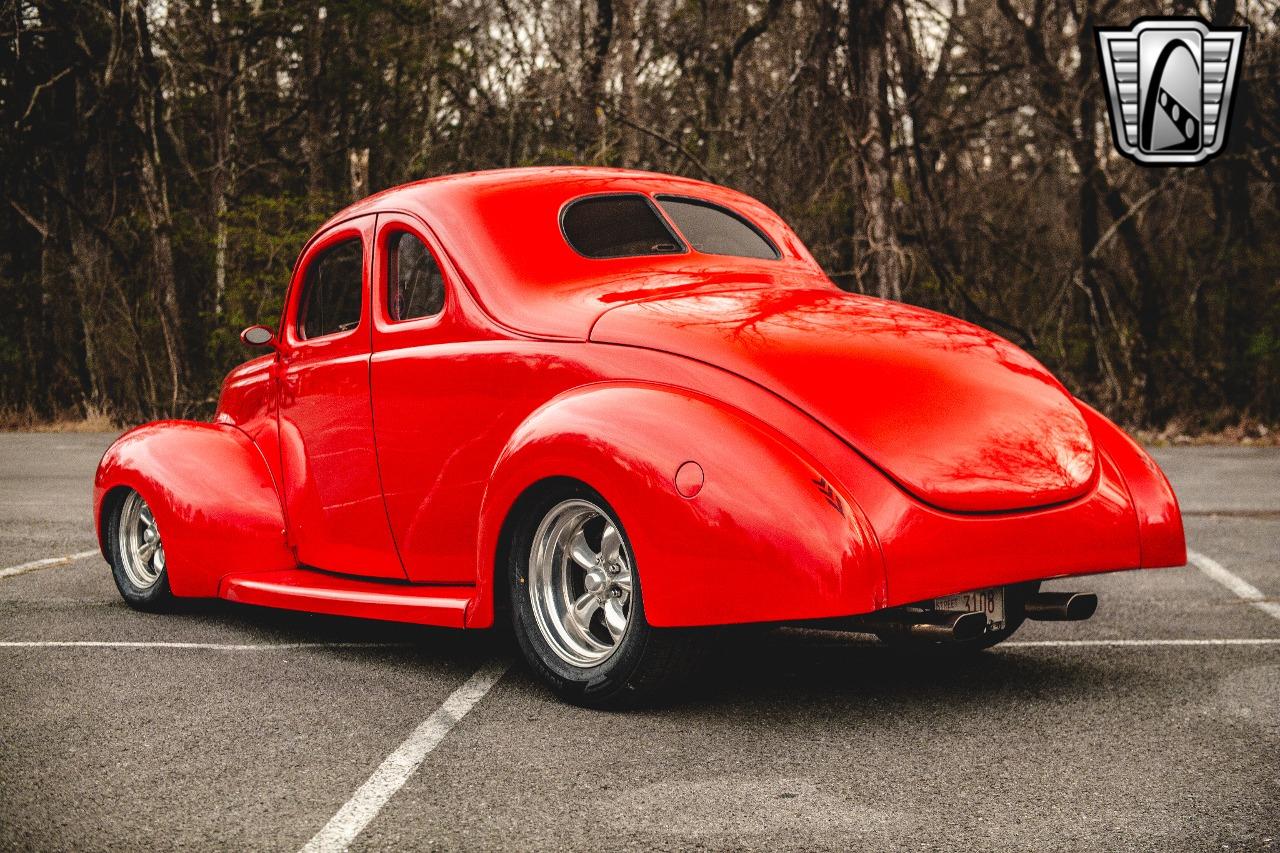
(577, 604)
(136, 552)
(580, 582)
(140, 543)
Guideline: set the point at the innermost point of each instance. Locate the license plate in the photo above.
(988, 601)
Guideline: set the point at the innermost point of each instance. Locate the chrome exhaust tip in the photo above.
(949, 625)
(1061, 606)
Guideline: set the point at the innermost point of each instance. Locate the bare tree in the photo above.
(952, 153)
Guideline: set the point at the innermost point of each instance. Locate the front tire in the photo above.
(136, 554)
(577, 607)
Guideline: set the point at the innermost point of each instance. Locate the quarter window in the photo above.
(415, 287)
(618, 226)
(333, 291)
(715, 230)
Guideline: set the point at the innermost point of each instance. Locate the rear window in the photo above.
(715, 230)
(617, 226)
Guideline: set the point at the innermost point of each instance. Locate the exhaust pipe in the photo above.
(951, 625)
(1061, 606)
(939, 625)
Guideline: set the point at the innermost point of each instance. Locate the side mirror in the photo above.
(258, 336)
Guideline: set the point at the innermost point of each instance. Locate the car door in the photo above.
(422, 356)
(333, 495)
(447, 390)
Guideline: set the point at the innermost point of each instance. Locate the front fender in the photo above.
(214, 499)
(1160, 535)
(771, 536)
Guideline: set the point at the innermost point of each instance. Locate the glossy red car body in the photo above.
(855, 454)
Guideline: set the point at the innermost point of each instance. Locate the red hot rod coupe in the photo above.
(613, 406)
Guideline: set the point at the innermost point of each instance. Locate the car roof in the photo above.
(501, 231)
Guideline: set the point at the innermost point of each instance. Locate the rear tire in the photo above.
(136, 554)
(577, 609)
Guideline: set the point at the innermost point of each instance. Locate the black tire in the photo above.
(1015, 596)
(646, 664)
(155, 597)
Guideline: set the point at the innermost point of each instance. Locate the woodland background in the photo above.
(164, 161)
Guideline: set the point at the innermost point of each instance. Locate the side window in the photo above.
(415, 287)
(715, 230)
(617, 226)
(333, 291)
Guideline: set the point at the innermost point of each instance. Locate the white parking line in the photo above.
(1226, 641)
(370, 797)
(271, 647)
(1241, 587)
(846, 639)
(221, 647)
(46, 563)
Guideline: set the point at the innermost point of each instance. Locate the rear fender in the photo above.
(1160, 535)
(770, 536)
(214, 499)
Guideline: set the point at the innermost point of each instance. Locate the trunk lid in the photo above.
(956, 415)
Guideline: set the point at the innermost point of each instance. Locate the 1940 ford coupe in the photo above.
(612, 407)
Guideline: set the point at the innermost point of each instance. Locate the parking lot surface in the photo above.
(1153, 726)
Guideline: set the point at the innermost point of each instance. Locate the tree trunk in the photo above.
(312, 146)
(630, 142)
(869, 137)
(358, 160)
(593, 82)
(226, 82)
(1230, 175)
(149, 112)
(88, 273)
(1090, 314)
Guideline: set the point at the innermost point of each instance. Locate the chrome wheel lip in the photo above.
(581, 595)
(138, 537)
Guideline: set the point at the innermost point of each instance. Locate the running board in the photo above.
(335, 595)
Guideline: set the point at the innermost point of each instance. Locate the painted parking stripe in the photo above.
(269, 647)
(1224, 641)
(370, 797)
(1238, 585)
(846, 639)
(46, 563)
(221, 647)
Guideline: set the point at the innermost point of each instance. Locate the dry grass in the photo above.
(1246, 433)
(92, 421)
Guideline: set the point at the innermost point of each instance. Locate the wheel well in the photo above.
(515, 515)
(110, 501)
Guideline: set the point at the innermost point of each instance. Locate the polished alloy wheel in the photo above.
(141, 551)
(580, 582)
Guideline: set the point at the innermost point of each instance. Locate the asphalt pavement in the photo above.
(1153, 726)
